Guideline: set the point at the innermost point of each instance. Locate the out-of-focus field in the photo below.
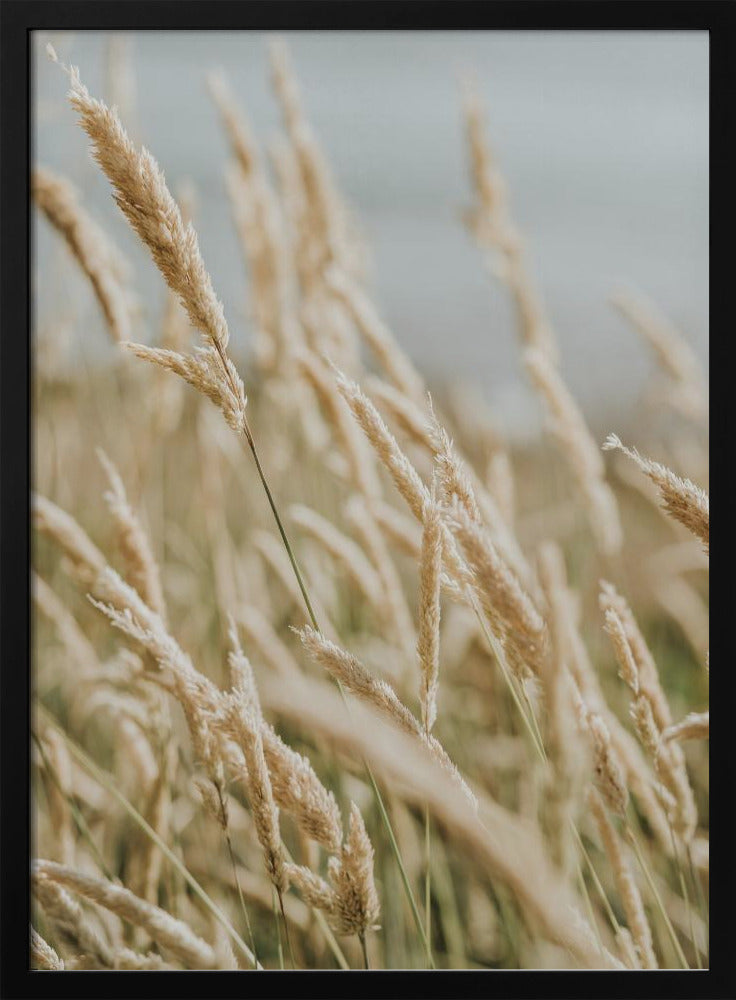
(603, 136)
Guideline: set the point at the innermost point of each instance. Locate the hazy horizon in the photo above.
(602, 138)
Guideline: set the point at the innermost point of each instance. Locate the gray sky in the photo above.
(602, 137)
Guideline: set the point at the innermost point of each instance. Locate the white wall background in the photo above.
(603, 138)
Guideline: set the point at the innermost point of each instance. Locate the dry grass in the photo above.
(99, 259)
(478, 789)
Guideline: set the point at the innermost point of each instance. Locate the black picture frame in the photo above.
(17, 20)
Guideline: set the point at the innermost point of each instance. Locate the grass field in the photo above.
(327, 672)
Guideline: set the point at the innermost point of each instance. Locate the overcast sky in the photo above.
(603, 139)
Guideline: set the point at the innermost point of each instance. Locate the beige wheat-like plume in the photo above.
(562, 743)
(315, 890)
(72, 925)
(627, 887)
(695, 726)
(325, 225)
(349, 898)
(509, 610)
(648, 676)
(608, 772)
(43, 955)
(404, 475)
(296, 788)
(171, 933)
(588, 695)
(668, 758)
(428, 639)
(494, 229)
(356, 905)
(93, 250)
(86, 560)
(456, 479)
(682, 499)
(299, 792)
(141, 193)
(350, 672)
(244, 724)
(143, 197)
(133, 540)
(261, 230)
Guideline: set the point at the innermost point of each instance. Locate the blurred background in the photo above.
(602, 138)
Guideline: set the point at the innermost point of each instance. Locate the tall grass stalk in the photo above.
(364, 949)
(589, 907)
(495, 647)
(599, 887)
(77, 816)
(277, 924)
(428, 874)
(231, 855)
(313, 619)
(655, 894)
(695, 878)
(685, 895)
